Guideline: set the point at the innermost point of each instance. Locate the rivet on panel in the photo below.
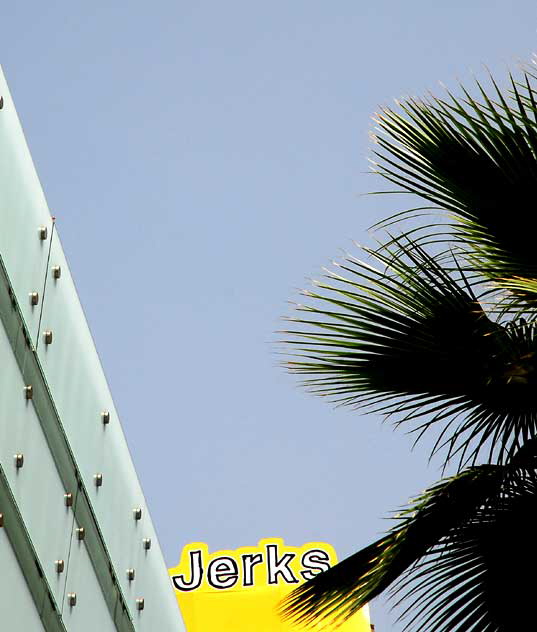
(28, 391)
(19, 460)
(1, 519)
(140, 603)
(146, 543)
(130, 574)
(80, 533)
(34, 298)
(47, 337)
(59, 565)
(56, 272)
(71, 599)
(105, 417)
(68, 499)
(98, 478)
(137, 512)
(43, 233)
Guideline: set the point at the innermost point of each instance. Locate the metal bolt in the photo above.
(105, 416)
(43, 233)
(98, 478)
(19, 460)
(47, 337)
(1, 519)
(80, 533)
(28, 391)
(130, 574)
(68, 499)
(34, 298)
(56, 272)
(146, 543)
(137, 512)
(71, 599)
(140, 603)
(60, 565)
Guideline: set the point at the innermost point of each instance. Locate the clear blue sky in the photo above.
(203, 160)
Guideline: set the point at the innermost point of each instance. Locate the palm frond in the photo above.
(343, 589)
(409, 340)
(522, 295)
(449, 559)
(478, 576)
(477, 161)
(416, 333)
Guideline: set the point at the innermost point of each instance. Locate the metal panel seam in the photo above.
(23, 548)
(42, 306)
(62, 454)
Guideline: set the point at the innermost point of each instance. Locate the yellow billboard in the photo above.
(240, 590)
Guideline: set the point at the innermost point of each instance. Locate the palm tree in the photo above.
(436, 329)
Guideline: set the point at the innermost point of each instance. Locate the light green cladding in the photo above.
(76, 471)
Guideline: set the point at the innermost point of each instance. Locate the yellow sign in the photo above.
(239, 591)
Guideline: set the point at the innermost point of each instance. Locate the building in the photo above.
(78, 549)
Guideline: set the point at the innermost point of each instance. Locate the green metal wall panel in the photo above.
(74, 374)
(17, 609)
(61, 431)
(90, 613)
(36, 486)
(23, 212)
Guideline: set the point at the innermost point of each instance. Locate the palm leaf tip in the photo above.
(419, 337)
(411, 340)
(476, 159)
(337, 593)
(442, 560)
(476, 578)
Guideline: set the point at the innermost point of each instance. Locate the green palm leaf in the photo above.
(413, 342)
(458, 558)
(477, 161)
(416, 333)
(479, 576)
